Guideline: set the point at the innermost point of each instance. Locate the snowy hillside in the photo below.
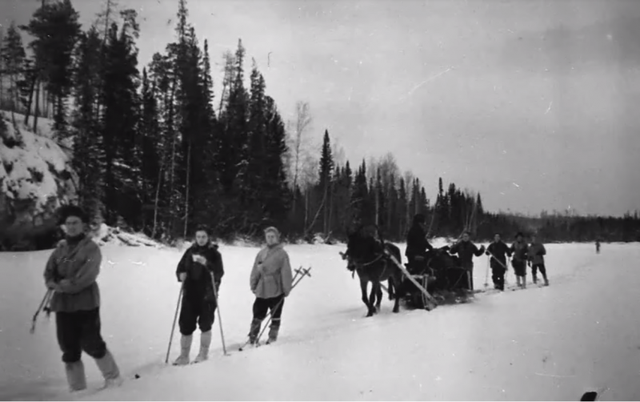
(34, 177)
(582, 332)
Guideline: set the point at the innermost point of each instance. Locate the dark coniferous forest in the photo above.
(157, 150)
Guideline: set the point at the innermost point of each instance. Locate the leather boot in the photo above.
(254, 331)
(185, 348)
(109, 370)
(75, 376)
(205, 342)
(273, 330)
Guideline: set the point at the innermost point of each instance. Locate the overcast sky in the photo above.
(533, 103)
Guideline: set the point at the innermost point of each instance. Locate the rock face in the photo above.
(35, 179)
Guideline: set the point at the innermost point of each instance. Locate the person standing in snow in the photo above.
(497, 252)
(199, 270)
(417, 243)
(71, 273)
(466, 250)
(536, 254)
(519, 261)
(270, 281)
(597, 246)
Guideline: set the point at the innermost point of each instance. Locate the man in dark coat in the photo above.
(417, 243)
(498, 251)
(466, 250)
(200, 266)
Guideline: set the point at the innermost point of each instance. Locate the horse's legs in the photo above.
(365, 299)
(375, 288)
(378, 297)
(391, 288)
(396, 304)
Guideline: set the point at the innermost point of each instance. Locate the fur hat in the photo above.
(65, 211)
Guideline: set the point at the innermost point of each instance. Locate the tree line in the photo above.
(157, 151)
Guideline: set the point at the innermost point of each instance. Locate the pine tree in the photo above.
(150, 134)
(120, 127)
(88, 155)
(56, 30)
(13, 59)
(324, 184)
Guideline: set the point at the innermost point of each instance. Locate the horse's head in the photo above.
(362, 246)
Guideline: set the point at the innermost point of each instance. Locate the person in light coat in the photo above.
(71, 273)
(536, 254)
(271, 282)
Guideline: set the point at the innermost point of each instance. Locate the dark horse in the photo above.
(366, 256)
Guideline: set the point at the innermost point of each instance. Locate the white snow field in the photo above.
(544, 343)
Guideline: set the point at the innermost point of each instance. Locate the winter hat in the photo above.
(272, 229)
(71, 210)
(519, 234)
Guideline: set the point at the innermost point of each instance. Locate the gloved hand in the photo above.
(52, 285)
(182, 276)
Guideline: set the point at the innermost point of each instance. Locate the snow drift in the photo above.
(35, 178)
(550, 343)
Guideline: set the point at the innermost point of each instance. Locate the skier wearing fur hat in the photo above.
(270, 281)
(199, 270)
(71, 273)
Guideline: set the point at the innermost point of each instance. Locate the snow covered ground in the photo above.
(581, 333)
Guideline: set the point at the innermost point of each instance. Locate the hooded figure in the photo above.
(270, 281)
(71, 273)
(199, 270)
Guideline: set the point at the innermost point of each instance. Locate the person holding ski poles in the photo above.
(497, 252)
(199, 270)
(536, 254)
(519, 261)
(466, 250)
(71, 273)
(271, 281)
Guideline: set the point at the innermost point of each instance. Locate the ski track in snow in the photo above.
(542, 343)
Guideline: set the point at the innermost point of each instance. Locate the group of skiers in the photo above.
(73, 267)
(523, 254)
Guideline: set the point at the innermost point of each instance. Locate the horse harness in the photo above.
(366, 264)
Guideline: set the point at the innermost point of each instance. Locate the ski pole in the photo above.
(305, 272)
(215, 295)
(175, 318)
(45, 300)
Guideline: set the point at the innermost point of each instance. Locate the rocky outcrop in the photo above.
(35, 179)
